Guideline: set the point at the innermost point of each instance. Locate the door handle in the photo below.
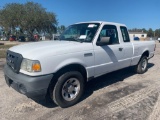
(88, 54)
(120, 49)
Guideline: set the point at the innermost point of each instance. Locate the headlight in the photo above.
(31, 65)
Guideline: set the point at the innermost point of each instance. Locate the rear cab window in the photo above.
(125, 34)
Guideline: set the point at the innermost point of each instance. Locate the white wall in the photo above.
(137, 35)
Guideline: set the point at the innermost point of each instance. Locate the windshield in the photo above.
(83, 32)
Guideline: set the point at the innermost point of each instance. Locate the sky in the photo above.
(133, 13)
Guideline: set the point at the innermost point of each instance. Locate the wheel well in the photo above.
(146, 53)
(76, 67)
(71, 67)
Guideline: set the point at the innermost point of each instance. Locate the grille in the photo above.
(14, 60)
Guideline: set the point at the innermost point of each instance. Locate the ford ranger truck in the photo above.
(84, 51)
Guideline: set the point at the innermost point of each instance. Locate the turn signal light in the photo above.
(36, 67)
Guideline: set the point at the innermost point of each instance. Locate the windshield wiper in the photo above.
(80, 40)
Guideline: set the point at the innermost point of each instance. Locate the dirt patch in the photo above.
(115, 96)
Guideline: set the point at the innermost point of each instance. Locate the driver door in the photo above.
(108, 57)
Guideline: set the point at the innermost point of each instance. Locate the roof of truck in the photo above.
(113, 23)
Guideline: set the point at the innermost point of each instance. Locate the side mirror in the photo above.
(103, 41)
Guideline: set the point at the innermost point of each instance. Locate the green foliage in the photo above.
(27, 18)
(61, 28)
(3, 53)
(6, 46)
(137, 30)
(150, 33)
(3, 49)
(144, 30)
(157, 32)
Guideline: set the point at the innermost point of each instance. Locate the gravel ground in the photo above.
(120, 95)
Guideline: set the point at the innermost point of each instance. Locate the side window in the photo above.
(125, 34)
(111, 32)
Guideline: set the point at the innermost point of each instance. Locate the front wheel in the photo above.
(68, 89)
(141, 67)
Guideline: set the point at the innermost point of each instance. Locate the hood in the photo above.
(50, 48)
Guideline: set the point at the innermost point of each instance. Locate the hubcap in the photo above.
(144, 64)
(70, 89)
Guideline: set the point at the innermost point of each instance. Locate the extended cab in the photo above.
(84, 51)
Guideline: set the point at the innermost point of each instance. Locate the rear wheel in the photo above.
(141, 67)
(68, 89)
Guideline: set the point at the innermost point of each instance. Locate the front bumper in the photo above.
(33, 87)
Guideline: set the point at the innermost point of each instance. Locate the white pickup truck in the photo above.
(84, 51)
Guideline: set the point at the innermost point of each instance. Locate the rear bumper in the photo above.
(32, 87)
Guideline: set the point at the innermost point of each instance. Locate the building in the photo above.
(136, 35)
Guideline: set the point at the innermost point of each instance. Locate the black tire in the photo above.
(57, 94)
(140, 68)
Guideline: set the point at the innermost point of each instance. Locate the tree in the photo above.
(157, 32)
(138, 30)
(150, 33)
(27, 18)
(144, 30)
(60, 29)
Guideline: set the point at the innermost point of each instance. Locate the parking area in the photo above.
(115, 96)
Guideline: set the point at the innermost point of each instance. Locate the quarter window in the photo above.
(125, 34)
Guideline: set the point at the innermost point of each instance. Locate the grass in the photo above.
(3, 49)
(6, 46)
(3, 53)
